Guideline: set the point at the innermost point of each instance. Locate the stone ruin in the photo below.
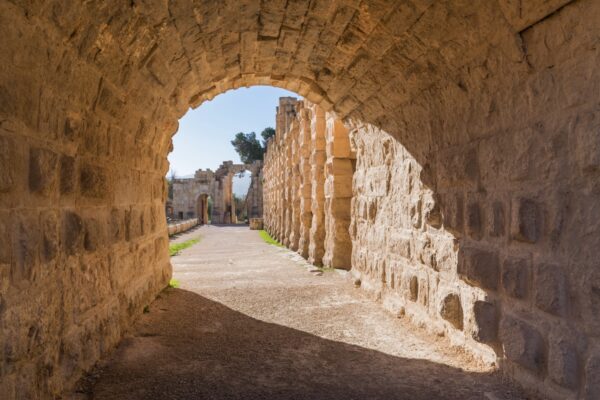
(190, 195)
(307, 184)
(475, 192)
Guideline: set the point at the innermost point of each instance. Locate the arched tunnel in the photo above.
(477, 135)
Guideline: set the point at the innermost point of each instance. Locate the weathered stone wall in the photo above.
(339, 170)
(254, 198)
(483, 232)
(189, 194)
(495, 101)
(308, 183)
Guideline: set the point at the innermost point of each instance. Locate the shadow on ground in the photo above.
(190, 347)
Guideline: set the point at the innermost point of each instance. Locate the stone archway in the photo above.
(475, 101)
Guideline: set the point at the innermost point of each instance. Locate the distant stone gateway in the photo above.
(190, 195)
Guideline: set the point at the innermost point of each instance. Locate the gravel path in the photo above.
(250, 321)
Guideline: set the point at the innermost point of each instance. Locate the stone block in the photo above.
(563, 362)
(133, 224)
(25, 246)
(94, 235)
(486, 318)
(516, 274)
(399, 244)
(338, 187)
(497, 220)
(413, 288)
(50, 241)
(93, 181)
(474, 220)
(451, 310)
(42, 170)
(479, 267)
(7, 165)
(526, 220)
(550, 289)
(592, 377)
(459, 169)
(340, 166)
(72, 233)
(453, 212)
(117, 225)
(67, 175)
(523, 344)
(72, 128)
(587, 141)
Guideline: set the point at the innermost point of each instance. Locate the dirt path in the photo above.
(250, 322)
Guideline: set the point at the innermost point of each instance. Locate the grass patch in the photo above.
(173, 283)
(175, 248)
(268, 239)
(325, 269)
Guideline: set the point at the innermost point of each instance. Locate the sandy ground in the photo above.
(249, 321)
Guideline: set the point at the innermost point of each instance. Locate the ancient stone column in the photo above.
(304, 147)
(317, 160)
(339, 169)
(294, 186)
(287, 184)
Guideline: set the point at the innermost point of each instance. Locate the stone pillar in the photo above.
(218, 210)
(317, 160)
(254, 197)
(304, 145)
(339, 169)
(287, 188)
(294, 186)
(280, 171)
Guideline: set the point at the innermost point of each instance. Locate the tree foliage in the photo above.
(266, 134)
(249, 147)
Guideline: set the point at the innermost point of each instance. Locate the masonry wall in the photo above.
(489, 236)
(307, 185)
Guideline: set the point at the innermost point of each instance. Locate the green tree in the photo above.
(266, 134)
(248, 147)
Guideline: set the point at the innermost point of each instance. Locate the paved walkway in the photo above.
(250, 321)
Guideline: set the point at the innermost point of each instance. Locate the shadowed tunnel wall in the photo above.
(490, 108)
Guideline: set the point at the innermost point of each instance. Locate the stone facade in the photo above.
(190, 196)
(490, 108)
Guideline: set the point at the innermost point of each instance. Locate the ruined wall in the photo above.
(189, 193)
(483, 231)
(186, 193)
(308, 184)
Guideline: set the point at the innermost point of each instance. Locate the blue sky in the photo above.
(203, 139)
